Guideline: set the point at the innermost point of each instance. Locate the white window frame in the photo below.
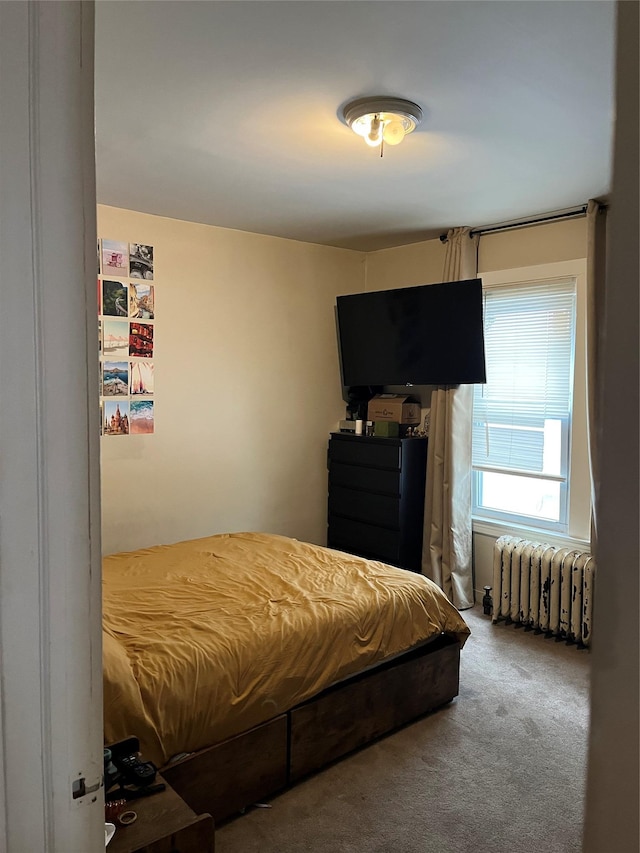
(575, 529)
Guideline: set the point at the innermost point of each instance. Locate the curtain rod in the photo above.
(578, 211)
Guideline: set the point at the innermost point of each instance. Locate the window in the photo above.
(522, 417)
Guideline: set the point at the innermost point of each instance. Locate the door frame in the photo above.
(50, 603)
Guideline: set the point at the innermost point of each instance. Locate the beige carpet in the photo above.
(499, 769)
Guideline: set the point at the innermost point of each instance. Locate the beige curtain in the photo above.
(596, 258)
(446, 553)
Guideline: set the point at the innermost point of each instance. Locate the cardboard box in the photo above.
(394, 407)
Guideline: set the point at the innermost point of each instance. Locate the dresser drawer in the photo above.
(378, 543)
(375, 452)
(365, 506)
(368, 479)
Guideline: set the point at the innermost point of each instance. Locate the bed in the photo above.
(245, 661)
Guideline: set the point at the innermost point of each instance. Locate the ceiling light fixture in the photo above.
(382, 120)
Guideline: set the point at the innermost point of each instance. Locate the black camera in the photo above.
(124, 767)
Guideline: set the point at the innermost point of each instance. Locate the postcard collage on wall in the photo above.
(126, 315)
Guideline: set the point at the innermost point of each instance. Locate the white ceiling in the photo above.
(226, 113)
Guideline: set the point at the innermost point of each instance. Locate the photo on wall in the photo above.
(115, 297)
(141, 378)
(141, 340)
(126, 315)
(115, 258)
(141, 301)
(115, 338)
(115, 378)
(141, 261)
(142, 421)
(116, 417)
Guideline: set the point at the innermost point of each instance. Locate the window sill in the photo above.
(502, 528)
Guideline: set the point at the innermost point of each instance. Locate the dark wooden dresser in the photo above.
(376, 497)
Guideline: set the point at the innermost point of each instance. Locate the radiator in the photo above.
(544, 588)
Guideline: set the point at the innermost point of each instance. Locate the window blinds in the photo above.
(521, 416)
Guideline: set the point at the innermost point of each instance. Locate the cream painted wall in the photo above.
(247, 386)
(405, 266)
(540, 244)
(422, 263)
(247, 375)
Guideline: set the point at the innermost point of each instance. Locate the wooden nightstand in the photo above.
(165, 824)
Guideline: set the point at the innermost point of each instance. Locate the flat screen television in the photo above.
(426, 335)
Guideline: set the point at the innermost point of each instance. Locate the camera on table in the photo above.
(126, 775)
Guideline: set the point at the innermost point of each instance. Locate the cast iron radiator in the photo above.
(544, 588)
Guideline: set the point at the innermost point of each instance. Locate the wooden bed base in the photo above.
(224, 779)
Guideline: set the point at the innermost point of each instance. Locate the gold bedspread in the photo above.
(209, 637)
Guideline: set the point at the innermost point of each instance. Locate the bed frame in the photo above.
(224, 779)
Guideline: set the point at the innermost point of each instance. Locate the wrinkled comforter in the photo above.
(207, 638)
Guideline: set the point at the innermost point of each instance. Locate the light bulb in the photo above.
(362, 125)
(393, 132)
(374, 137)
(381, 120)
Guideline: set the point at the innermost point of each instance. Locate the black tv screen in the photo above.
(426, 335)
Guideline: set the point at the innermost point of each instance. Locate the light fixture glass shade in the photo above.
(382, 119)
(394, 132)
